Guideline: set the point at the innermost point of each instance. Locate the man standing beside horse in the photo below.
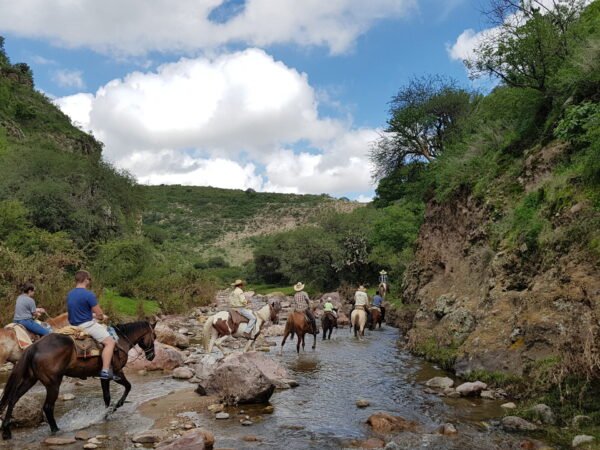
(237, 301)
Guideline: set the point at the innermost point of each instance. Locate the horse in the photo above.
(376, 318)
(54, 356)
(383, 289)
(218, 328)
(328, 323)
(358, 320)
(298, 324)
(9, 347)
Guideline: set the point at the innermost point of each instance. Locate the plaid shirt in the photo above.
(301, 301)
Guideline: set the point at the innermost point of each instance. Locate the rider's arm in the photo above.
(98, 312)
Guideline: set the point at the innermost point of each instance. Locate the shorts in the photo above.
(95, 330)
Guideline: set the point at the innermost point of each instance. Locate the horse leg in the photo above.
(52, 388)
(298, 342)
(105, 392)
(314, 341)
(24, 386)
(126, 384)
(325, 325)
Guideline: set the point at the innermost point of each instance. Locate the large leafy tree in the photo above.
(423, 116)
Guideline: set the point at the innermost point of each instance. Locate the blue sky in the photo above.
(330, 85)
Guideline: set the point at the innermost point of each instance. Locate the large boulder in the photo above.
(471, 389)
(28, 411)
(386, 423)
(206, 366)
(343, 320)
(196, 439)
(168, 336)
(239, 379)
(167, 358)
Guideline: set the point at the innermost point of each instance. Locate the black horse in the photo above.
(328, 323)
(54, 356)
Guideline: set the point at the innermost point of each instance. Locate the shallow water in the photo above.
(320, 413)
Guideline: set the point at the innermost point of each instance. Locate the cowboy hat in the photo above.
(298, 286)
(362, 288)
(237, 282)
(383, 272)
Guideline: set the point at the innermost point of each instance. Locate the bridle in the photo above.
(148, 352)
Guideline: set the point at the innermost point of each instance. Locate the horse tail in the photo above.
(207, 332)
(17, 375)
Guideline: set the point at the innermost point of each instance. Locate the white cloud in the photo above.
(136, 27)
(364, 198)
(227, 121)
(68, 78)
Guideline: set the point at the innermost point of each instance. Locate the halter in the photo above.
(148, 352)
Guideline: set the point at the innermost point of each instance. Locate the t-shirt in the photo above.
(328, 307)
(237, 299)
(377, 300)
(80, 302)
(361, 298)
(25, 307)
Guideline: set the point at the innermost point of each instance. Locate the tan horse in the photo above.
(9, 347)
(383, 289)
(298, 324)
(358, 320)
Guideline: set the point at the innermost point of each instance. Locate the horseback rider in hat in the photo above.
(237, 301)
(361, 301)
(302, 304)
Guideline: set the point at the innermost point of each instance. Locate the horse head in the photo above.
(145, 337)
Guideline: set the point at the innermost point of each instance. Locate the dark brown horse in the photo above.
(54, 356)
(298, 324)
(376, 318)
(328, 323)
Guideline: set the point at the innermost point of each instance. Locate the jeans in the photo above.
(251, 319)
(34, 327)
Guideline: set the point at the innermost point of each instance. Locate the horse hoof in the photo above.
(53, 432)
(6, 435)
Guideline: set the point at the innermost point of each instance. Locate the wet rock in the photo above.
(67, 397)
(544, 413)
(82, 436)
(196, 439)
(167, 358)
(215, 408)
(221, 416)
(471, 389)
(59, 440)
(372, 443)
(509, 405)
(362, 403)
(28, 411)
(149, 437)
(251, 438)
(183, 373)
(274, 330)
(94, 441)
(579, 420)
(89, 445)
(246, 422)
(447, 429)
(488, 395)
(514, 423)
(269, 409)
(440, 382)
(386, 423)
(581, 439)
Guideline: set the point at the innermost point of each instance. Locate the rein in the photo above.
(147, 352)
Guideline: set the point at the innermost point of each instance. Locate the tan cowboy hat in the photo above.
(383, 272)
(298, 286)
(328, 299)
(237, 282)
(362, 288)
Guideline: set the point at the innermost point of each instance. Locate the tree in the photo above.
(423, 116)
(529, 41)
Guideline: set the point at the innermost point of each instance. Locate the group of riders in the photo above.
(301, 303)
(83, 312)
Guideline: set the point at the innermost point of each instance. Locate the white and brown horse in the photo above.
(219, 327)
(358, 321)
(9, 345)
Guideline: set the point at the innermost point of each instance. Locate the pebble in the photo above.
(448, 429)
(268, 409)
(67, 397)
(102, 436)
(509, 405)
(581, 439)
(362, 403)
(246, 423)
(488, 395)
(82, 436)
(222, 416)
(251, 438)
(142, 372)
(90, 445)
(217, 407)
(94, 441)
(59, 440)
(440, 382)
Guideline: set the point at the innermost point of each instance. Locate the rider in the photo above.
(82, 307)
(26, 311)
(302, 304)
(328, 307)
(237, 301)
(361, 300)
(378, 302)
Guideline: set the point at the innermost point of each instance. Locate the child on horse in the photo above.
(328, 307)
(26, 311)
(302, 304)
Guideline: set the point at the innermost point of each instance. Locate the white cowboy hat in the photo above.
(328, 299)
(362, 288)
(383, 272)
(298, 286)
(237, 282)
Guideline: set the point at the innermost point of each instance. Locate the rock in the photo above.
(82, 436)
(101, 436)
(142, 372)
(205, 367)
(221, 416)
(28, 411)
(149, 437)
(471, 389)
(67, 397)
(95, 441)
(196, 439)
(244, 378)
(488, 395)
(581, 439)
(89, 445)
(386, 423)
(251, 438)
(274, 330)
(183, 373)
(444, 305)
(578, 420)
(447, 429)
(343, 320)
(165, 335)
(247, 422)
(509, 405)
(514, 423)
(440, 382)
(269, 409)
(167, 358)
(544, 413)
(59, 440)
(362, 403)
(216, 407)
(289, 382)
(372, 443)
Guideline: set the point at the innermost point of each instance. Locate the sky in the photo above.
(274, 95)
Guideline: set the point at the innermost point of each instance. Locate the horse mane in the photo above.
(131, 327)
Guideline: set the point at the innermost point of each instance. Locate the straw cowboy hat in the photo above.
(298, 286)
(237, 282)
(383, 272)
(362, 288)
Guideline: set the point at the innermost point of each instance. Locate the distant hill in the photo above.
(205, 222)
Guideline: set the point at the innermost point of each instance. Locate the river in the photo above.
(319, 414)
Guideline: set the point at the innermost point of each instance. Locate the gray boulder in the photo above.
(544, 413)
(471, 389)
(440, 382)
(514, 423)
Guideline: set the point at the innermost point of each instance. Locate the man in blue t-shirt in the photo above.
(82, 306)
(378, 302)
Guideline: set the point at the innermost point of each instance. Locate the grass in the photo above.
(445, 356)
(126, 307)
(265, 289)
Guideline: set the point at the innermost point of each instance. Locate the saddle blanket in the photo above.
(23, 337)
(85, 345)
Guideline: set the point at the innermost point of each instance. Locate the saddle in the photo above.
(235, 319)
(85, 345)
(332, 317)
(24, 337)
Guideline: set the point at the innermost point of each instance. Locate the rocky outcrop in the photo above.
(167, 358)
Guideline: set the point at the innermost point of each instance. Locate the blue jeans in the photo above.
(251, 319)
(33, 326)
